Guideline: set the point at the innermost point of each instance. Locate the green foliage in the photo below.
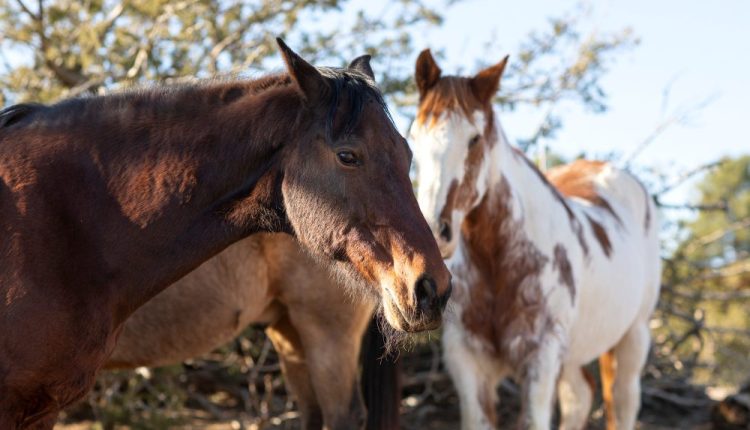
(728, 184)
(705, 325)
(70, 47)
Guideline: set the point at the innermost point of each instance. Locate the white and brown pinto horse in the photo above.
(550, 272)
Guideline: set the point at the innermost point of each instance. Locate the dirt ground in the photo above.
(441, 412)
(210, 398)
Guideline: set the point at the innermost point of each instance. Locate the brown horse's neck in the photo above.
(152, 184)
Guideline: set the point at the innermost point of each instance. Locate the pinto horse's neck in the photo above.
(155, 183)
(507, 243)
(517, 194)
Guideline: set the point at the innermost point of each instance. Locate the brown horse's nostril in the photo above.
(447, 295)
(445, 231)
(426, 292)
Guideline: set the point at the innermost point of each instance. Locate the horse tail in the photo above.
(381, 385)
(607, 374)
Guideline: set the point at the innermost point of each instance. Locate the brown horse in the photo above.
(264, 279)
(105, 201)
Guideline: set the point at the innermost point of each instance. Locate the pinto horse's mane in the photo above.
(164, 101)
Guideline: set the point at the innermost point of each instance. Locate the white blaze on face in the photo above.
(441, 148)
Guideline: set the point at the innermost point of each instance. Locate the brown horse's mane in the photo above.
(165, 101)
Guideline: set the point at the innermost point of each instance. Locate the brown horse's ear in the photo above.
(427, 73)
(309, 80)
(486, 83)
(362, 65)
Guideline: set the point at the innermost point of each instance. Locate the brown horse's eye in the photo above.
(348, 158)
(474, 140)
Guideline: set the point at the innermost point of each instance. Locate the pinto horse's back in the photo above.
(615, 191)
(608, 187)
(624, 273)
(622, 217)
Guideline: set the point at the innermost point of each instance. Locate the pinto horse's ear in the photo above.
(309, 80)
(486, 83)
(427, 72)
(362, 65)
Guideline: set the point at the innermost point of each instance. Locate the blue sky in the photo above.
(701, 48)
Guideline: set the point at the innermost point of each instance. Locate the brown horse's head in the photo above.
(348, 196)
(452, 137)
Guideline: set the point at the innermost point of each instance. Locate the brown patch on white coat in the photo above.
(439, 95)
(575, 223)
(562, 264)
(505, 304)
(577, 180)
(601, 235)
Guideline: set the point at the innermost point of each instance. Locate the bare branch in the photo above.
(723, 207)
(683, 402)
(679, 117)
(718, 234)
(712, 295)
(32, 15)
(687, 175)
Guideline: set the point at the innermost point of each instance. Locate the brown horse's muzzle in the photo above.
(414, 297)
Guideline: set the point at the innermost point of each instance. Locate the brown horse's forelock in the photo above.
(358, 89)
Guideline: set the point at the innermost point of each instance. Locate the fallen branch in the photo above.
(677, 400)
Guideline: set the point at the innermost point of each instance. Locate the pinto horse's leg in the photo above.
(607, 372)
(630, 357)
(575, 392)
(476, 388)
(541, 380)
(286, 340)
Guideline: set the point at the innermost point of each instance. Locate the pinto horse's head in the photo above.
(348, 196)
(452, 137)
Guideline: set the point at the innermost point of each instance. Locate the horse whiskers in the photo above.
(393, 340)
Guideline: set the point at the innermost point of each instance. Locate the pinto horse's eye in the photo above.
(474, 140)
(348, 158)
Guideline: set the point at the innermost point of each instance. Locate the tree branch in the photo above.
(32, 15)
(681, 116)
